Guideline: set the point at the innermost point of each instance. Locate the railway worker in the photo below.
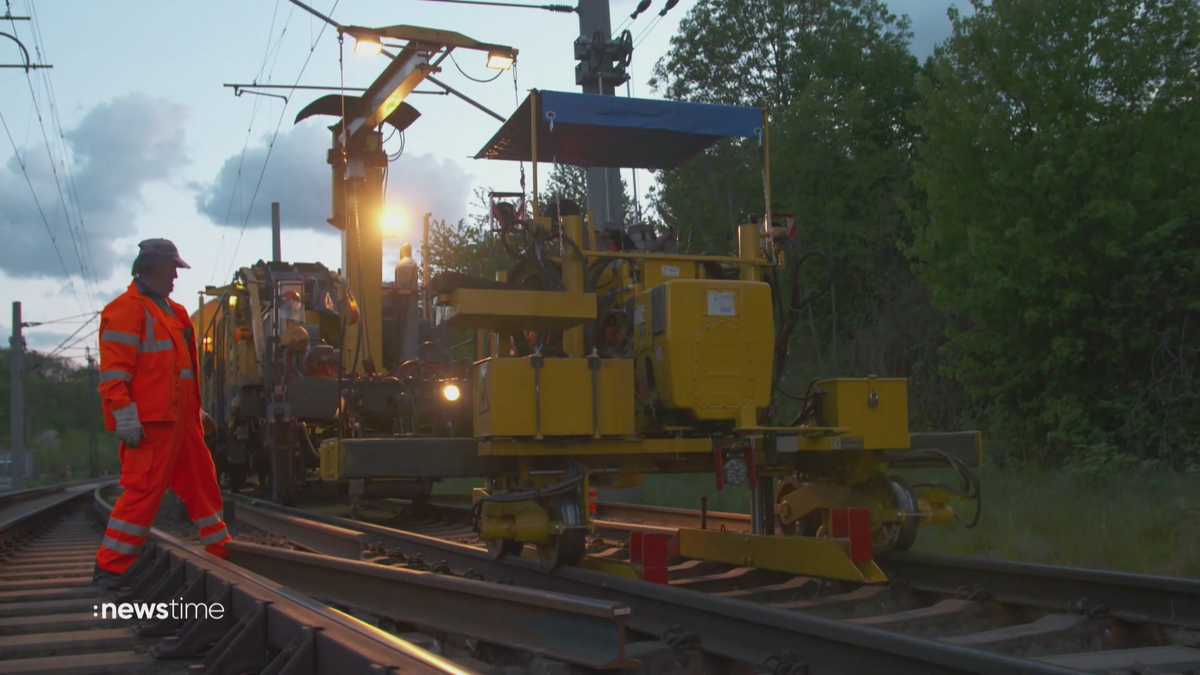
(151, 399)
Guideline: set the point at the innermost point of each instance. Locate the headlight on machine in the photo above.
(735, 471)
(450, 392)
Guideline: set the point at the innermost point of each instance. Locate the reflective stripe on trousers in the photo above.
(124, 537)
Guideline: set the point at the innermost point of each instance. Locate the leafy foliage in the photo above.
(1013, 224)
(58, 402)
(839, 80)
(468, 246)
(570, 182)
(1058, 162)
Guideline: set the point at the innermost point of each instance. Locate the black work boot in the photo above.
(104, 579)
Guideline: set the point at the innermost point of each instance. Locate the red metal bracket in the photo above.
(854, 525)
(719, 466)
(649, 551)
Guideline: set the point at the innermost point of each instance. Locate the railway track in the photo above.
(938, 613)
(181, 610)
(48, 607)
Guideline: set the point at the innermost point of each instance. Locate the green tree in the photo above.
(468, 246)
(839, 80)
(58, 402)
(1060, 165)
(570, 182)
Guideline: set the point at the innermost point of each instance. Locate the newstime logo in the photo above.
(159, 610)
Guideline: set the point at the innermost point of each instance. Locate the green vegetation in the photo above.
(58, 401)
(1146, 522)
(1013, 223)
(1014, 228)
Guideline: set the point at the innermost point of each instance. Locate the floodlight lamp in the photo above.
(393, 223)
(499, 60)
(451, 392)
(367, 45)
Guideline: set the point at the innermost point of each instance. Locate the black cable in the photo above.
(970, 485)
(562, 9)
(42, 213)
(574, 476)
(473, 79)
(792, 313)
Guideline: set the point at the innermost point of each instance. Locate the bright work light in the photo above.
(368, 46)
(499, 60)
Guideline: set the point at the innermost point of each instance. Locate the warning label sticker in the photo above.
(720, 303)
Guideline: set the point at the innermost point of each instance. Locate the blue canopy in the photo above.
(612, 131)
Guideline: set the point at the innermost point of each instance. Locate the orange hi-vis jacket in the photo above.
(139, 361)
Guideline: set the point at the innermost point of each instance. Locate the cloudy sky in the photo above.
(136, 137)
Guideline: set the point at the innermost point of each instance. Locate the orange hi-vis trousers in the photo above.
(171, 454)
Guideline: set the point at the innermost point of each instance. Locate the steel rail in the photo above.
(735, 630)
(579, 631)
(23, 507)
(618, 514)
(8, 497)
(306, 636)
(327, 539)
(1143, 598)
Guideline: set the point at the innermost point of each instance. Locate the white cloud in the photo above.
(116, 150)
(298, 177)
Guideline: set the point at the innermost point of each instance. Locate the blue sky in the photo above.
(152, 140)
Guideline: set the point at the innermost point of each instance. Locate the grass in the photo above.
(1145, 522)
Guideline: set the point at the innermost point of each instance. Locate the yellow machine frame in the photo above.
(549, 427)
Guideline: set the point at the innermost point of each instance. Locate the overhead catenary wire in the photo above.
(670, 4)
(81, 338)
(41, 212)
(250, 128)
(628, 21)
(646, 31)
(65, 319)
(271, 144)
(40, 50)
(83, 249)
(79, 255)
(63, 345)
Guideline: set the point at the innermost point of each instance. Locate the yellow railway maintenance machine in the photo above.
(604, 359)
(294, 354)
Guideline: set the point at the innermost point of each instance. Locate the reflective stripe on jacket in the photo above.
(140, 361)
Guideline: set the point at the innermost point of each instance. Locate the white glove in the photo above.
(129, 428)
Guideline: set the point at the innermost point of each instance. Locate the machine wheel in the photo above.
(895, 493)
(569, 547)
(498, 548)
(809, 525)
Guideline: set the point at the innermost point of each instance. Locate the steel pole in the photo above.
(90, 411)
(426, 313)
(276, 236)
(17, 412)
(603, 184)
